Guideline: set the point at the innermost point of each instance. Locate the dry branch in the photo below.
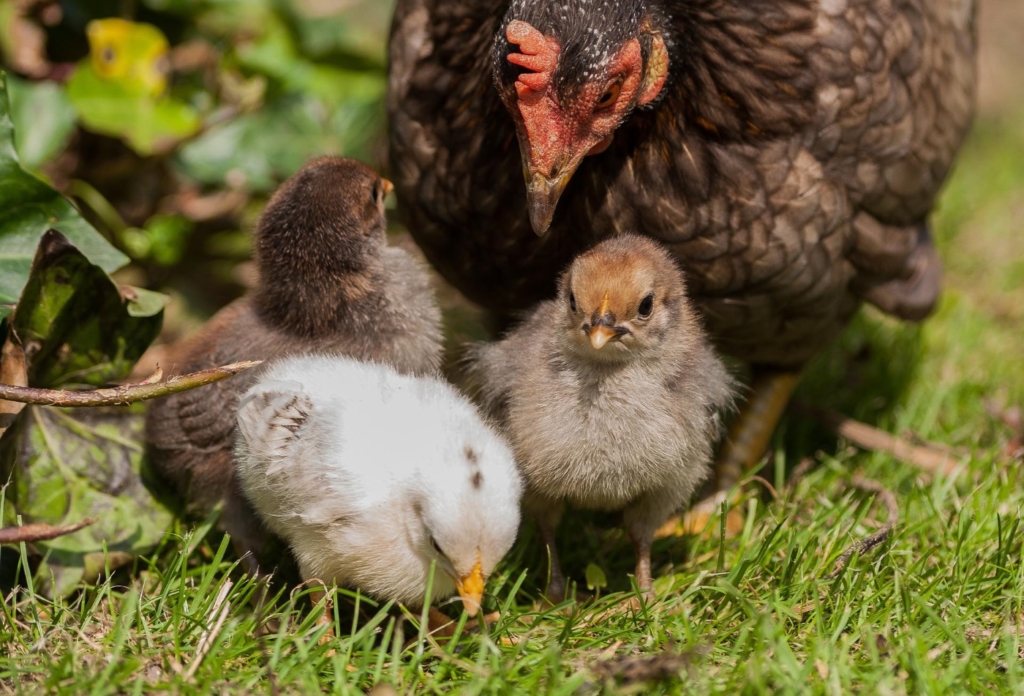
(38, 531)
(869, 542)
(124, 394)
(928, 457)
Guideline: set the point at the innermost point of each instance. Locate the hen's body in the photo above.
(790, 163)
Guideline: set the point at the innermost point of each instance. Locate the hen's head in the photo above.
(570, 72)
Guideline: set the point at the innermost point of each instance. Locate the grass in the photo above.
(937, 609)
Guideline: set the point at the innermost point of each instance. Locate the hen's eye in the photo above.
(646, 307)
(572, 301)
(611, 93)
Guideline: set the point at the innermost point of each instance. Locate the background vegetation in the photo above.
(169, 132)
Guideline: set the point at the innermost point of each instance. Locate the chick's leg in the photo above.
(547, 514)
(746, 443)
(641, 519)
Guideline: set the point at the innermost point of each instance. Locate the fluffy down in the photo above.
(372, 476)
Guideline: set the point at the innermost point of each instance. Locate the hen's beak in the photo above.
(471, 588)
(542, 194)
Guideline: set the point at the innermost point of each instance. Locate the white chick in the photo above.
(610, 394)
(372, 476)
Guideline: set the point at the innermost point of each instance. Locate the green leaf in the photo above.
(163, 240)
(360, 30)
(43, 120)
(595, 577)
(266, 147)
(70, 464)
(75, 325)
(112, 107)
(276, 55)
(28, 208)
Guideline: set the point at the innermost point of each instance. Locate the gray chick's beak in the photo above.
(604, 330)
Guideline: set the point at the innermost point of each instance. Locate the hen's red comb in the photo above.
(537, 53)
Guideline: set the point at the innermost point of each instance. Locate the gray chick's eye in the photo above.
(646, 307)
(437, 547)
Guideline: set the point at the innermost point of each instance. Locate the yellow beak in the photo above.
(471, 588)
(600, 335)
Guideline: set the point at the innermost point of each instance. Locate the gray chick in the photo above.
(611, 395)
(328, 284)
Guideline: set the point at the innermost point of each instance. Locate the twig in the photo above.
(927, 457)
(769, 487)
(801, 470)
(124, 394)
(38, 531)
(220, 609)
(864, 545)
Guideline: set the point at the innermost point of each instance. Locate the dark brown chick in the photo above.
(610, 394)
(329, 284)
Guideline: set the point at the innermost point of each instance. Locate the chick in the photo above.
(327, 283)
(610, 394)
(372, 476)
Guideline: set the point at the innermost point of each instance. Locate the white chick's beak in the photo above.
(471, 588)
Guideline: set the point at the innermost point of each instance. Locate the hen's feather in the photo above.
(790, 165)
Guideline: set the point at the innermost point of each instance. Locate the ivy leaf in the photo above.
(28, 208)
(43, 120)
(77, 326)
(74, 323)
(113, 107)
(71, 464)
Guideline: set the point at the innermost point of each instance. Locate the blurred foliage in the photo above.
(170, 121)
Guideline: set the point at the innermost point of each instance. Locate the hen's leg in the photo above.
(744, 446)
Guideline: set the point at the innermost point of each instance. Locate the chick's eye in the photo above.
(377, 194)
(611, 93)
(646, 307)
(437, 547)
(572, 301)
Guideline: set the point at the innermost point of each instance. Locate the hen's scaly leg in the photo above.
(744, 446)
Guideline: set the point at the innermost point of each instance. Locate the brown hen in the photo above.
(788, 152)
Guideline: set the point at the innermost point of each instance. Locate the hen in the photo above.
(788, 152)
